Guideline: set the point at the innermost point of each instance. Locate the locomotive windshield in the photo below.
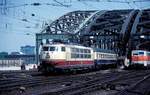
(45, 48)
(141, 53)
(138, 53)
(51, 48)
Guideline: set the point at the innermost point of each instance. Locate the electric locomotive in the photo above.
(140, 58)
(62, 56)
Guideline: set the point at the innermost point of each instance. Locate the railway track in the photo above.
(140, 87)
(17, 74)
(14, 80)
(86, 86)
(80, 84)
(99, 83)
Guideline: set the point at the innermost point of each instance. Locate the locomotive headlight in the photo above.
(47, 55)
(142, 36)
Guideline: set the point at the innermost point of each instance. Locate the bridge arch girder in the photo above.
(67, 23)
(108, 25)
(141, 31)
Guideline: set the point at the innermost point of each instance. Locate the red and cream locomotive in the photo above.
(140, 58)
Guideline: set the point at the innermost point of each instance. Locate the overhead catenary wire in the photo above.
(35, 18)
(129, 2)
(34, 4)
(60, 3)
(141, 0)
(115, 1)
(25, 24)
(130, 5)
(20, 19)
(86, 4)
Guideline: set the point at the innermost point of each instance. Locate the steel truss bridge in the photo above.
(117, 30)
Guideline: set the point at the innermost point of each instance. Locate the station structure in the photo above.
(119, 30)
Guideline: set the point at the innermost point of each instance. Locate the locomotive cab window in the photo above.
(52, 48)
(45, 48)
(141, 53)
(63, 49)
(135, 53)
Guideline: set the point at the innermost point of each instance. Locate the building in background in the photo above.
(28, 50)
(3, 53)
(9, 61)
(14, 61)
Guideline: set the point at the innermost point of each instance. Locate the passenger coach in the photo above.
(104, 58)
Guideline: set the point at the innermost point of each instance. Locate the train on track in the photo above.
(57, 57)
(140, 58)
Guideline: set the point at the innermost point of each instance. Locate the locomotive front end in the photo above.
(140, 58)
(51, 57)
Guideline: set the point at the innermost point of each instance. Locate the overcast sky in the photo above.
(21, 20)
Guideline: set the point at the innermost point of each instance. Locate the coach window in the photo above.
(73, 49)
(81, 51)
(85, 50)
(89, 51)
(97, 55)
(73, 55)
(102, 55)
(82, 55)
(86, 56)
(63, 49)
(77, 55)
(77, 50)
(89, 56)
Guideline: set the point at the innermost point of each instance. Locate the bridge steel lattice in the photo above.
(117, 30)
